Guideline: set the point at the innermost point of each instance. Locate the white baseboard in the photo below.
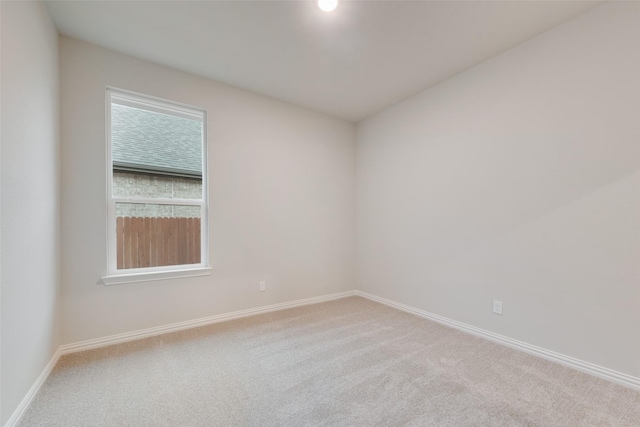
(580, 365)
(144, 333)
(179, 326)
(26, 401)
(589, 368)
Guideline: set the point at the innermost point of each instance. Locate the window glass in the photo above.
(150, 235)
(157, 207)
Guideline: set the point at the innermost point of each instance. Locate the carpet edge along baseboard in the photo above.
(580, 365)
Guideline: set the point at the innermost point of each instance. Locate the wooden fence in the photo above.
(152, 242)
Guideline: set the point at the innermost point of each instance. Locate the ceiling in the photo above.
(350, 63)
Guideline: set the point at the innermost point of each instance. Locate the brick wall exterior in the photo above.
(127, 184)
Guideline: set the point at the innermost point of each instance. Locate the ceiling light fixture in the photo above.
(327, 5)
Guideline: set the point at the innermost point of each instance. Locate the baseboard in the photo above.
(580, 365)
(179, 326)
(144, 333)
(26, 401)
(589, 368)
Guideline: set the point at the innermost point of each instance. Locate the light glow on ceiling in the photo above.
(327, 5)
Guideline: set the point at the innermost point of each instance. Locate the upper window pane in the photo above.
(155, 155)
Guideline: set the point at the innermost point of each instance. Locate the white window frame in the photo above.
(114, 275)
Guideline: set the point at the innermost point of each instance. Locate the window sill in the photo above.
(153, 275)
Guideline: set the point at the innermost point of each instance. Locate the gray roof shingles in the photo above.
(156, 142)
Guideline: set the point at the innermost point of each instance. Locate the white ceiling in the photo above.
(350, 63)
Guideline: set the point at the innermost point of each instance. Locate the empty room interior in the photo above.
(303, 213)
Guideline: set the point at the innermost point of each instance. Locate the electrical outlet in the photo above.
(497, 306)
(263, 286)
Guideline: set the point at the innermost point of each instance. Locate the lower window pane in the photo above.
(154, 235)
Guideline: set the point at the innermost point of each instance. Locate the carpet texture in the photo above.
(349, 362)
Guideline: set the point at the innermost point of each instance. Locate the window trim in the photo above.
(120, 279)
(115, 276)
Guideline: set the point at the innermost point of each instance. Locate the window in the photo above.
(157, 212)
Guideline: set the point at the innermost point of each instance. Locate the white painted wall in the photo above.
(30, 216)
(518, 180)
(282, 199)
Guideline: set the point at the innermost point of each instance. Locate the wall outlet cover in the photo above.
(497, 306)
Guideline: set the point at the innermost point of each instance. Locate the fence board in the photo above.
(126, 246)
(165, 240)
(196, 242)
(134, 242)
(120, 242)
(146, 260)
(190, 230)
(153, 242)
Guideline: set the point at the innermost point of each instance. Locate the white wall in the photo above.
(30, 215)
(282, 199)
(518, 180)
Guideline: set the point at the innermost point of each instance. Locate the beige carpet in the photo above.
(349, 362)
